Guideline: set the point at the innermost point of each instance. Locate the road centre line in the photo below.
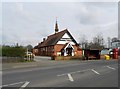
(110, 67)
(12, 84)
(74, 72)
(24, 85)
(70, 77)
(95, 71)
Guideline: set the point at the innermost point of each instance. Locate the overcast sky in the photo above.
(29, 22)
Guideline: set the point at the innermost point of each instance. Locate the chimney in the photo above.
(44, 39)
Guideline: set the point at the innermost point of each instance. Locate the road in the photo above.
(99, 73)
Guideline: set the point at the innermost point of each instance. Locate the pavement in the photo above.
(49, 73)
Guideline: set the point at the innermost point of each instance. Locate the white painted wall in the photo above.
(65, 54)
(66, 36)
(73, 53)
(65, 40)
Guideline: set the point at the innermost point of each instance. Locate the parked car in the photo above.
(29, 55)
(106, 54)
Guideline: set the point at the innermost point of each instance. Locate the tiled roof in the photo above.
(36, 47)
(54, 38)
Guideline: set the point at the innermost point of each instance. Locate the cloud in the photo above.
(19, 7)
(60, 1)
(28, 23)
(96, 13)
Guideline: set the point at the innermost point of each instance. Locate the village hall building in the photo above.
(58, 44)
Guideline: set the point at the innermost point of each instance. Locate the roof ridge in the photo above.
(57, 33)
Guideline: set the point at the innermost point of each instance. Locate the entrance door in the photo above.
(69, 51)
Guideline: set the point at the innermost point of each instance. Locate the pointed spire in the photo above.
(56, 26)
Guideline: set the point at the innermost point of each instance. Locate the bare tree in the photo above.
(98, 42)
(83, 41)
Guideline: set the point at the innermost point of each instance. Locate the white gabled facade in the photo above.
(65, 39)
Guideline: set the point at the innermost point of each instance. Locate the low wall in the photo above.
(13, 59)
(67, 58)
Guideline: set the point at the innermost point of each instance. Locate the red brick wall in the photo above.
(57, 48)
(48, 51)
(79, 53)
(75, 50)
(35, 51)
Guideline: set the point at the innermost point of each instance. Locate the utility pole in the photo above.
(109, 42)
(27, 53)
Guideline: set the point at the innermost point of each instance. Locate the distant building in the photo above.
(115, 44)
(58, 44)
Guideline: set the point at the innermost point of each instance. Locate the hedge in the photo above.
(13, 51)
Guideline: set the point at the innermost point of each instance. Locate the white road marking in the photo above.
(95, 71)
(24, 85)
(110, 67)
(11, 84)
(61, 74)
(83, 70)
(70, 77)
(73, 72)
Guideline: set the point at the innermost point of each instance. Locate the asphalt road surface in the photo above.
(99, 73)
